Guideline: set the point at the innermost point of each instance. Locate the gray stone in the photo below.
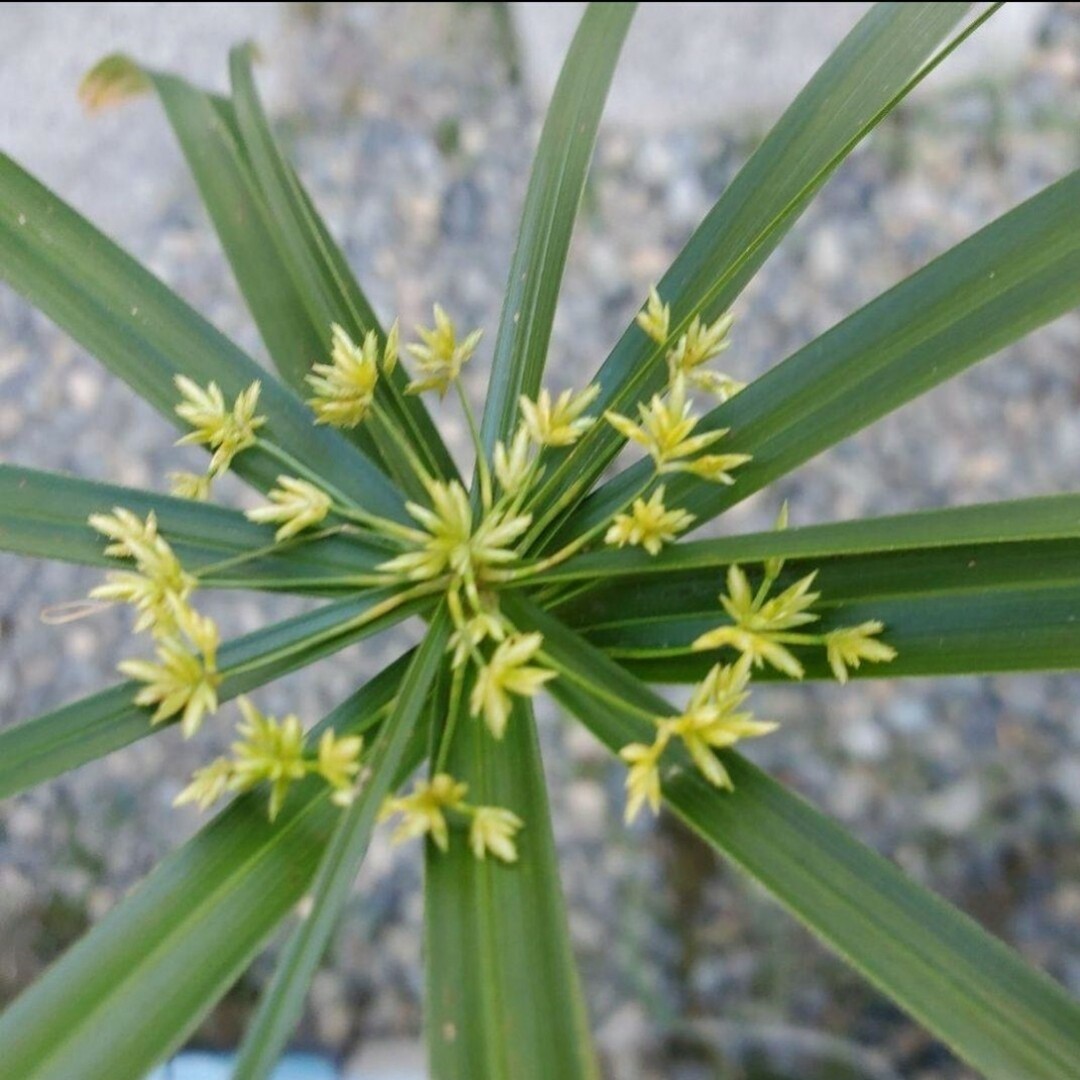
(956, 809)
(1065, 776)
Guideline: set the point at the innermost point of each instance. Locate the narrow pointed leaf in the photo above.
(962, 608)
(547, 221)
(985, 631)
(503, 996)
(1044, 517)
(318, 268)
(44, 747)
(147, 335)
(869, 73)
(283, 1002)
(44, 515)
(1001, 1016)
(206, 128)
(1015, 275)
(170, 949)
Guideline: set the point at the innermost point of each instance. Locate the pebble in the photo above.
(955, 810)
(864, 740)
(1065, 778)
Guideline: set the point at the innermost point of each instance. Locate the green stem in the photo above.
(398, 437)
(566, 502)
(481, 458)
(764, 589)
(388, 393)
(301, 470)
(345, 584)
(447, 737)
(378, 611)
(343, 505)
(268, 549)
(799, 639)
(530, 478)
(596, 690)
(522, 573)
(389, 533)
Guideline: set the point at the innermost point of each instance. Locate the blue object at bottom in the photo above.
(197, 1065)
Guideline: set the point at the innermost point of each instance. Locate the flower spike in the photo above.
(507, 673)
(648, 524)
(558, 423)
(296, 504)
(345, 388)
(441, 356)
(225, 431)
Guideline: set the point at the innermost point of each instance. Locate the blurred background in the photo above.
(413, 126)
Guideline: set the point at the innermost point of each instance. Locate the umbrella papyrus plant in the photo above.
(537, 576)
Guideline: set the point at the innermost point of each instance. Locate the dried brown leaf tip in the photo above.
(112, 81)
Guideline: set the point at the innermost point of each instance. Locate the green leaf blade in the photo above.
(175, 945)
(503, 995)
(283, 1002)
(866, 76)
(146, 335)
(1044, 517)
(965, 986)
(321, 275)
(66, 738)
(44, 515)
(205, 128)
(547, 221)
(964, 633)
(972, 590)
(1011, 277)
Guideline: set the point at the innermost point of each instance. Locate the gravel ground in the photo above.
(415, 137)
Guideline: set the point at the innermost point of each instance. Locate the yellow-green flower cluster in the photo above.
(462, 548)
(424, 811)
(273, 752)
(666, 426)
(294, 505)
(508, 672)
(648, 524)
(223, 430)
(695, 347)
(465, 549)
(439, 355)
(666, 431)
(848, 646)
(711, 721)
(558, 422)
(159, 587)
(191, 485)
(547, 421)
(451, 544)
(763, 626)
(344, 389)
(182, 679)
